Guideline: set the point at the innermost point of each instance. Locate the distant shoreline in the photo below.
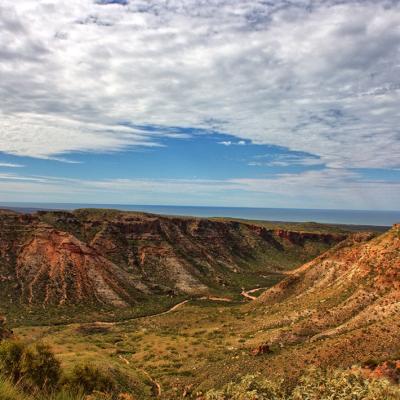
(327, 216)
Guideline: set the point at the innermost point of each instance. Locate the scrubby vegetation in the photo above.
(89, 378)
(314, 385)
(34, 368)
(33, 372)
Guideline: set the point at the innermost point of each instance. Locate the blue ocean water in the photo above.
(353, 217)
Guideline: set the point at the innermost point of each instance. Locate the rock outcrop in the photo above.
(54, 267)
(263, 348)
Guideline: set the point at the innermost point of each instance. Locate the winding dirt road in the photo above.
(244, 293)
(247, 295)
(175, 307)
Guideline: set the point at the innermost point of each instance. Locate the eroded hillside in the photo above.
(354, 285)
(119, 258)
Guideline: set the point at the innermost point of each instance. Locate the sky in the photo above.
(253, 103)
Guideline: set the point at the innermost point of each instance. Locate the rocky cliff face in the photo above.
(55, 267)
(118, 258)
(354, 286)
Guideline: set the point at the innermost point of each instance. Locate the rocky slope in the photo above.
(356, 283)
(119, 258)
(342, 307)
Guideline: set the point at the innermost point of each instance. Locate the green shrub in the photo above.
(34, 367)
(314, 385)
(88, 379)
(342, 385)
(250, 387)
(33, 373)
(40, 368)
(11, 353)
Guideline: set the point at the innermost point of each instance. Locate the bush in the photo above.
(10, 391)
(88, 379)
(34, 370)
(250, 387)
(34, 367)
(40, 368)
(314, 385)
(10, 359)
(343, 385)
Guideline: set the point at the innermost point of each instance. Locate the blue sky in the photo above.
(243, 103)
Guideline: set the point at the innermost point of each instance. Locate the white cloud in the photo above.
(321, 77)
(285, 160)
(45, 135)
(10, 165)
(230, 143)
(329, 188)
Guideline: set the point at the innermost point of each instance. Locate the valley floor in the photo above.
(202, 344)
(169, 349)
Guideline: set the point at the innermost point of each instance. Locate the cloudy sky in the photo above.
(265, 103)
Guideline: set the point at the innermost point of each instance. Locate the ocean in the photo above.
(352, 217)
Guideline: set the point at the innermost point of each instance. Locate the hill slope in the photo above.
(353, 285)
(339, 309)
(119, 258)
